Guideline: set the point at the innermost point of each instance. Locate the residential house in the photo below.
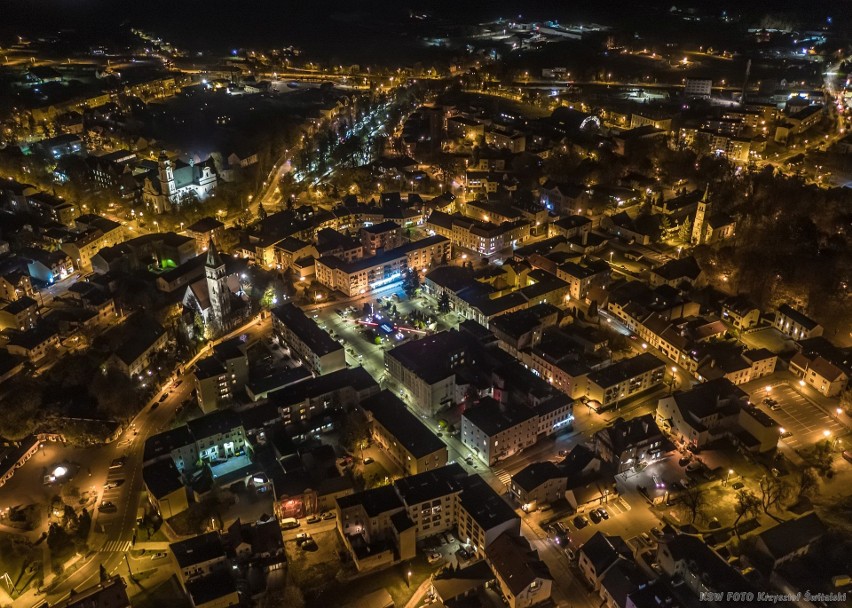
(538, 483)
(625, 379)
(717, 409)
(142, 338)
(795, 324)
(598, 554)
(408, 442)
(626, 443)
(523, 577)
(494, 431)
(790, 539)
(313, 345)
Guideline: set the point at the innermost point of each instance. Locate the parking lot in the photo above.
(804, 420)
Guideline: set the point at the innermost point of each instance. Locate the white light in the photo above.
(60, 471)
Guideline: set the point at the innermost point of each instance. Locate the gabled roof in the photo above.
(535, 474)
(790, 536)
(602, 550)
(515, 562)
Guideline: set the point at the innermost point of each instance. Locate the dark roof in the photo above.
(798, 317)
(140, 332)
(198, 549)
(386, 226)
(684, 268)
(623, 434)
(306, 329)
(430, 485)
(430, 358)
(790, 536)
(206, 224)
(491, 417)
(625, 369)
(19, 305)
(401, 521)
(389, 411)
(355, 377)
(161, 478)
(535, 474)
(375, 502)
(484, 505)
(515, 562)
(211, 587)
(716, 574)
(163, 443)
(602, 550)
(220, 421)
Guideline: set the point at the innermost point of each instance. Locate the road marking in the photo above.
(503, 476)
(116, 546)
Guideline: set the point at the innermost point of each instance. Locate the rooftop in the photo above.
(390, 412)
(430, 485)
(625, 370)
(198, 549)
(516, 563)
(484, 505)
(317, 340)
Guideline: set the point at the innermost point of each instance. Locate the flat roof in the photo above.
(390, 411)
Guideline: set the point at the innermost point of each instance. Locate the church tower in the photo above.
(167, 177)
(217, 288)
(700, 217)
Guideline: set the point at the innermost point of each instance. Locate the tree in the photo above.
(261, 212)
(410, 282)
(695, 499)
(684, 233)
(354, 430)
(444, 303)
(593, 309)
(807, 483)
(773, 492)
(747, 505)
(821, 458)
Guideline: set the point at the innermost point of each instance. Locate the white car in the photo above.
(433, 558)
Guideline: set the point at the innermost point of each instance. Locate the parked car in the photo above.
(107, 507)
(657, 532)
(313, 519)
(327, 515)
(433, 558)
(368, 460)
(646, 537)
(657, 481)
(595, 516)
(738, 485)
(684, 461)
(118, 463)
(580, 522)
(302, 537)
(158, 555)
(603, 513)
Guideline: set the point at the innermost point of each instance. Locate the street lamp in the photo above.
(730, 472)
(838, 411)
(408, 579)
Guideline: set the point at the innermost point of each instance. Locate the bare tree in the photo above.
(695, 499)
(773, 493)
(747, 505)
(807, 482)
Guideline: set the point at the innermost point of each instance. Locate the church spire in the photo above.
(213, 259)
(706, 197)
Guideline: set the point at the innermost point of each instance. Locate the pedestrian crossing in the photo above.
(116, 546)
(503, 476)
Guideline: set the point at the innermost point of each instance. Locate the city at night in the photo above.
(424, 304)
